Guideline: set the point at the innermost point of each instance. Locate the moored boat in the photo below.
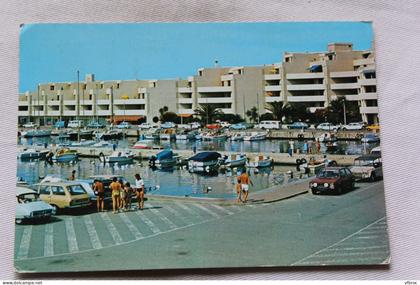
(237, 136)
(31, 153)
(234, 160)
(142, 144)
(260, 161)
(207, 161)
(120, 157)
(163, 159)
(168, 134)
(255, 136)
(65, 155)
(214, 136)
(112, 135)
(83, 143)
(36, 133)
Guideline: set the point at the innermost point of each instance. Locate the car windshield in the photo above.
(328, 174)
(27, 198)
(76, 189)
(363, 162)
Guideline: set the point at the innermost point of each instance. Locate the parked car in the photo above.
(298, 125)
(357, 126)
(145, 126)
(241, 126)
(370, 138)
(267, 125)
(30, 125)
(332, 180)
(62, 195)
(224, 124)
(367, 167)
(75, 124)
(327, 127)
(60, 124)
(30, 208)
(96, 125)
(168, 125)
(195, 125)
(123, 125)
(373, 127)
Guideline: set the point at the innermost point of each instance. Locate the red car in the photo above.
(332, 180)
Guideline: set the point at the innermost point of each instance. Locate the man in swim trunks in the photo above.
(245, 181)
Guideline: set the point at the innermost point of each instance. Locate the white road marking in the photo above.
(148, 222)
(131, 227)
(49, 240)
(93, 235)
(349, 254)
(357, 248)
(206, 210)
(221, 209)
(162, 217)
(71, 236)
(188, 209)
(24, 243)
(334, 244)
(111, 228)
(176, 213)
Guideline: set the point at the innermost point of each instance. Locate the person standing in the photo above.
(245, 181)
(318, 147)
(194, 148)
(123, 196)
(115, 188)
(98, 188)
(139, 191)
(73, 175)
(128, 192)
(238, 189)
(305, 147)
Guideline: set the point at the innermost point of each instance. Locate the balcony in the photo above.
(227, 111)
(343, 74)
(272, 88)
(305, 98)
(272, 77)
(367, 82)
(23, 113)
(227, 77)
(214, 100)
(269, 99)
(142, 90)
(86, 102)
(103, 112)
(368, 96)
(303, 87)
(23, 103)
(364, 61)
(214, 89)
(341, 86)
(140, 112)
(129, 101)
(37, 103)
(86, 113)
(186, 111)
(69, 102)
(185, 100)
(104, 102)
(53, 113)
(69, 113)
(307, 75)
(53, 103)
(369, 110)
(185, 90)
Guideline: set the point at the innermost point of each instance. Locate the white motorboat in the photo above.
(102, 144)
(234, 160)
(143, 144)
(31, 153)
(120, 157)
(237, 136)
(83, 143)
(260, 161)
(163, 159)
(255, 136)
(214, 136)
(207, 161)
(36, 133)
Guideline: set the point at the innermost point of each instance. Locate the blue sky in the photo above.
(54, 52)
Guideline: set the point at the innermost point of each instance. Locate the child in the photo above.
(128, 195)
(238, 189)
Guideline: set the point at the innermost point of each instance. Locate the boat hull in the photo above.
(65, 158)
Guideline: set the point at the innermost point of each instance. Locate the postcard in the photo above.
(198, 145)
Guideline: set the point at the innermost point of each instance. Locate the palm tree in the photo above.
(252, 114)
(163, 111)
(278, 109)
(207, 112)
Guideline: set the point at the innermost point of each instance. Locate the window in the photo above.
(76, 189)
(342, 172)
(200, 73)
(118, 86)
(51, 87)
(44, 190)
(58, 190)
(90, 96)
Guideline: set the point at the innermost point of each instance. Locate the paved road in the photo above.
(301, 231)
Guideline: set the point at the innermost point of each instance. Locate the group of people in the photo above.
(242, 186)
(307, 148)
(121, 193)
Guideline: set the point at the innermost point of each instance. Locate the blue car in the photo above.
(241, 126)
(60, 124)
(298, 125)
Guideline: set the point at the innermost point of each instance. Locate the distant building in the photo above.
(311, 79)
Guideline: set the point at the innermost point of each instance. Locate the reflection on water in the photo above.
(177, 182)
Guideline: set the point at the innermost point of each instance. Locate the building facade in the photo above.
(310, 79)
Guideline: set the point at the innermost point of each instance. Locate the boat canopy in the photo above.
(165, 154)
(206, 156)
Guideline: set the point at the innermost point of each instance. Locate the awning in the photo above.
(315, 68)
(129, 118)
(184, 115)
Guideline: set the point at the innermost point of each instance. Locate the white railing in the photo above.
(214, 89)
(340, 86)
(342, 74)
(307, 75)
(214, 100)
(305, 98)
(272, 88)
(298, 87)
(369, 110)
(272, 77)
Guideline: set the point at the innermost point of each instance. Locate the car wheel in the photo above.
(18, 221)
(373, 177)
(313, 192)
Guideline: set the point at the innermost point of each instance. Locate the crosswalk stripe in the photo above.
(49, 240)
(24, 243)
(162, 217)
(71, 236)
(176, 213)
(93, 235)
(206, 210)
(221, 209)
(356, 248)
(131, 227)
(111, 228)
(184, 207)
(235, 207)
(148, 222)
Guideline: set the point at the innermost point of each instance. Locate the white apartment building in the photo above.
(311, 79)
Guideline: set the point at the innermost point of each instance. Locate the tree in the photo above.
(297, 112)
(334, 113)
(230, 118)
(267, 117)
(252, 114)
(208, 113)
(170, 117)
(163, 111)
(278, 110)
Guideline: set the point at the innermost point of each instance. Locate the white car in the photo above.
(145, 126)
(30, 208)
(75, 124)
(30, 125)
(269, 125)
(327, 127)
(224, 124)
(124, 125)
(353, 126)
